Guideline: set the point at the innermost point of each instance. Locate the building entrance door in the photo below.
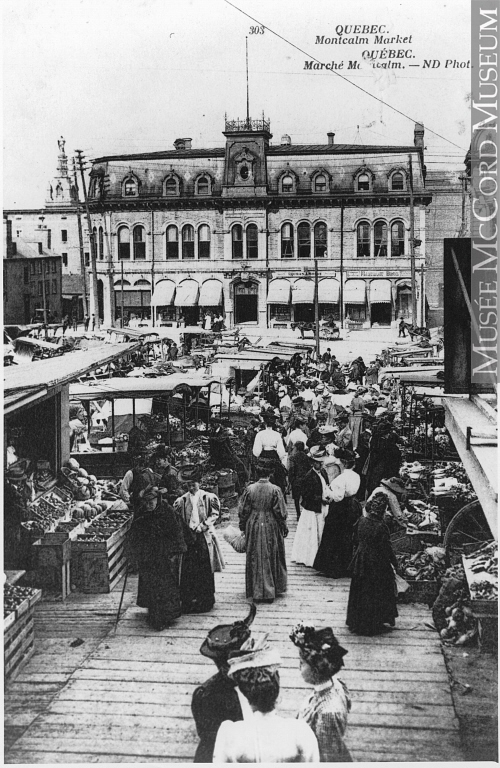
(246, 303)
(381, 314)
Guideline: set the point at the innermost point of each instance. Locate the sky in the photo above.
(125, 76)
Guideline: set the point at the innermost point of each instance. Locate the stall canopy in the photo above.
(279, 292)
(328, 291)
(354, 292)
(186, 294)
(129, 388)
(303, 292)
(210, 293)
(380, 292)
(164, 292)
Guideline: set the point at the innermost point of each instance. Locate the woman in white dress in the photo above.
(262, 736)
(313, 510)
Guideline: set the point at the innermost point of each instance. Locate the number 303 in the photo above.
(256, 30)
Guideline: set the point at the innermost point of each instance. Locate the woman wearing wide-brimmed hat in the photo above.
(218, 698)
(268, 446)
(372, 596)
(313, 510)
(335, 551)
(262, 736)
(327, 707)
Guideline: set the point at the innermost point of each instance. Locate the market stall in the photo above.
(38, 432)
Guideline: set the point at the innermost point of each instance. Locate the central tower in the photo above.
(245, 171)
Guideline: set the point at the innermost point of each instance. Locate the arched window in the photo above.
(237, 241)
(380, 239)
(204, 241)
(287, 241)
(320, 183)
(203, 185)
(94, 237)
(397, 182)
(101, 243)
(171, 186)
(252, 241)
(172, 242)
(320, 240)
(287, 183)
(188, 241)
(123, 243)
(363, 239)
(130, 187)
(304, 238)
(363, 182)
(139, 240)
(397, 239)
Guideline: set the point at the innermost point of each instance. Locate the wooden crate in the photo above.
(19, 636)
(97, 566)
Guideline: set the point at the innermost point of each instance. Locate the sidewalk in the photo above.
(126, 698)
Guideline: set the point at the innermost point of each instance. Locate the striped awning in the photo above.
(380, 292)
(328, 291)
(163, 295)
(303, 291)
(186, 294)
(279, 292)
(355, 292)
(210, 294)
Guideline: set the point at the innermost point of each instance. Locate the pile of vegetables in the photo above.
(427, 565)
(461, 626)
(421, 516)
(13, 596)
(483, 565)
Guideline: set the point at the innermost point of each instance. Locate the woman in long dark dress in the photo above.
(372, 596)
(384, 458)
(157, 541)
(335, 551)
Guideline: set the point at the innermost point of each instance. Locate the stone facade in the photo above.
(254, 213)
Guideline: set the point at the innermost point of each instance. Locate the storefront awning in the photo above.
(303, 292)
(328, 291)
(163, 295)
(354, 292)
(186, 294)
(279, 292)
(210, 294)
(380, 292)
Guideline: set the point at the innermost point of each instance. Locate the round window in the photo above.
(244, 172)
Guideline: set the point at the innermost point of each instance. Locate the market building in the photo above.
(237, 230)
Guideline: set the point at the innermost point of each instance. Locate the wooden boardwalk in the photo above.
(126, 697)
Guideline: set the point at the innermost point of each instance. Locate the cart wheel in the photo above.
(466, 530)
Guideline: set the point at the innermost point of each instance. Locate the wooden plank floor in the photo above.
(128, 700)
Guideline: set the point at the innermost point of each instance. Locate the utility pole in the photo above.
(121, 292)
(80, 241)
(341, 297)
(152, 267)
(93, 258)
(412, 249)
(316, 307)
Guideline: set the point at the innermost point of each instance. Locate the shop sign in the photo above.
(381, 273)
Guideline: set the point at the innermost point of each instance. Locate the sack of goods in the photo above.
(235, 538)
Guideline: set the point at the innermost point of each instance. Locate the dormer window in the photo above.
(203, 186)
(287, 183)
(171, 186)
(320, 183)
(363, 182)
(397, 182)
(130, 187)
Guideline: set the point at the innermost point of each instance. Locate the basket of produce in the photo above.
(423, 572)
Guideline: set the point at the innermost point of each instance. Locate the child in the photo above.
(326, 709)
